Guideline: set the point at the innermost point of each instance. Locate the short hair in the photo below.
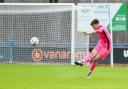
(95, 21)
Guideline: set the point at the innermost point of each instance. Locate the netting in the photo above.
(19, 23)
(52, 24)
(81, 41)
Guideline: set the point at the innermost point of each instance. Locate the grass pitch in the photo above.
(23, 76)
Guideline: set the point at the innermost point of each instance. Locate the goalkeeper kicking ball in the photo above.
(34, 41)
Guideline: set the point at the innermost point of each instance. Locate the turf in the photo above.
(21, 76)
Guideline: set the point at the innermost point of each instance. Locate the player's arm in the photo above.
(96, 31)
(89, 33)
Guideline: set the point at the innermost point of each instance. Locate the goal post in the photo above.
(73, 36)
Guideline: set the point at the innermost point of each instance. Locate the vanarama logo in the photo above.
(38, 55)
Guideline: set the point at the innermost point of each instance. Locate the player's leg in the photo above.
(101, 55)
(94, 52)
(88, 58)
(93, 65)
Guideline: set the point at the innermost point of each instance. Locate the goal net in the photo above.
(54, 25)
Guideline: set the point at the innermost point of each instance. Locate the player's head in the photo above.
(95, 24)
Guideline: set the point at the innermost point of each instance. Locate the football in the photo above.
(34, 41)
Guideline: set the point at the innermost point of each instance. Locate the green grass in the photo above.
(16, 76)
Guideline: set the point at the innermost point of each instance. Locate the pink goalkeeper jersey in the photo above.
(104, 37)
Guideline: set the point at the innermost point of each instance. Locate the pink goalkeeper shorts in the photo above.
(103, 52)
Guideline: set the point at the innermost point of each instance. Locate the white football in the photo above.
(34, 40)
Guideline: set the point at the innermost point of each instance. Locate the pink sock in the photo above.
(93, 65)
(88, 58)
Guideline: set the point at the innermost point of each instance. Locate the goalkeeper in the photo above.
(102, 49)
